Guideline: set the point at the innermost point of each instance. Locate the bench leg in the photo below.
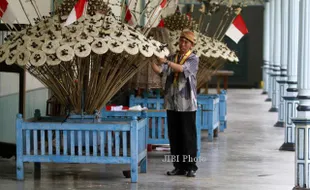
(143, 166)
(134, 172)
(19, 170)
(222, 126)
(210, 134)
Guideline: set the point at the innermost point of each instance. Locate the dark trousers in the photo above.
(183, 138)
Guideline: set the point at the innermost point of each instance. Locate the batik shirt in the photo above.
(181, 96)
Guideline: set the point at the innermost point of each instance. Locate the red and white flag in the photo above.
(129, 18)
(237, 29)
(155, 19)
(161, 23)
(160, 8)
(78, 10)
(6, 13)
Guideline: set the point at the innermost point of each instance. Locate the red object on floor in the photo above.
(108, 107)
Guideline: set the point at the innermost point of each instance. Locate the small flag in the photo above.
(237, 29)
(78, 10)
(161, 23)
(155, 19)
(6, 13)
(128, 17)
(160, 7)
(189, 16)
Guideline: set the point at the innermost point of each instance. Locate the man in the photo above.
(181, 104)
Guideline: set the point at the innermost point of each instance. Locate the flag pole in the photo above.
(35, 3)
(16, 20)
(229, 8)
(35, 9)
(202, 12)
(6, 23)
(215, 35)
(149, 29)
(221, 35)
(144, 9)
(222, 26)
(153, 11)
(20, 2)
(207, 27)
(126, 10)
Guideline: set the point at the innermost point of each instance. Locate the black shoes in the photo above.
(190, 173)
(176, 172)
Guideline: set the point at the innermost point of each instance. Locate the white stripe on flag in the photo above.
(234, 33)
(71, 18)
(9, 16)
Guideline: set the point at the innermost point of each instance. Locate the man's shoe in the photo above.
(191, 173)
(176, 172)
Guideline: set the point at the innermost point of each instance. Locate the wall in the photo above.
(44, 8)
(36, 95)
(35, 99)
(248, 72)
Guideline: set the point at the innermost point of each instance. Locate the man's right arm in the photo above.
(156, 68)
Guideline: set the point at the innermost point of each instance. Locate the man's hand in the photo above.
(162, 60)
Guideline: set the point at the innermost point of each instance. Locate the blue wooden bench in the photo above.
(210, 113)
(213, 118)
(223, 110)
(158, 130)
(154, 103)
(49, 139)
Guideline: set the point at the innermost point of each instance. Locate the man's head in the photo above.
(187, 41)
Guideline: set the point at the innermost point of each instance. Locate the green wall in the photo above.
(35, 99)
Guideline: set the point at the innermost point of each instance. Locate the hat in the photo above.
(189, 35)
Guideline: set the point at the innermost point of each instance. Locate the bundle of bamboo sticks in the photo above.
(86, 63)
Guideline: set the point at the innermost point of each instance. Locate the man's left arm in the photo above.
(190, 67)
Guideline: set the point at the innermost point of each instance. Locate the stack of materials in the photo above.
(85, 63)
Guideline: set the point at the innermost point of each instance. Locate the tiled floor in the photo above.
(244, 157)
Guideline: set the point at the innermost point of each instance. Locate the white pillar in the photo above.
(276, 57)
(302, 122)
(283, 64)
(266, 46)
(271, 35)
(291, 94)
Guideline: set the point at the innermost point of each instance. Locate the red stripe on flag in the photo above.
(79, 8)
(161, 24)
(128, 15)
(3, 6)
(240, 24)
(163, 3)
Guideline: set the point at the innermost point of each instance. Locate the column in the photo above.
(266, 46)
(290, 99)
(302, 121)
(276, 57)
(283, 64)
(271, 33)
